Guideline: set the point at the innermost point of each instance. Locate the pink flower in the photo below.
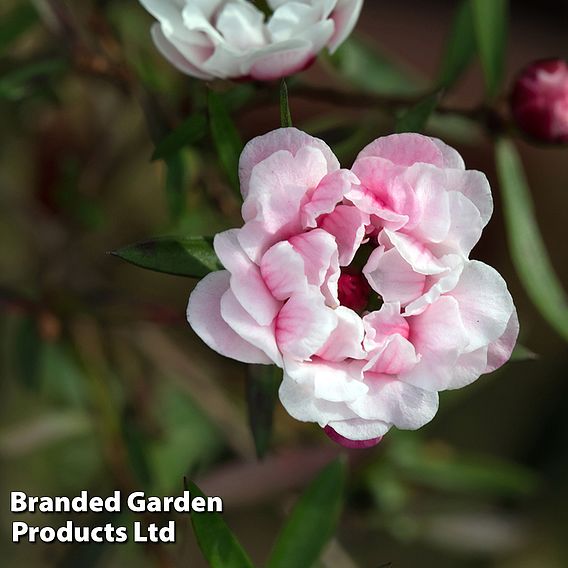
(406, 217)
(539, 101)
(232, 39)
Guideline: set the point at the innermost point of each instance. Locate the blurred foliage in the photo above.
(103, 385)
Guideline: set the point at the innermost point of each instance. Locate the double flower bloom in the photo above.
(444, 319)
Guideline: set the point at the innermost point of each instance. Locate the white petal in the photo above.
(204, 316)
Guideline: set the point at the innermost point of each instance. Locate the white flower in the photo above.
(233, 39)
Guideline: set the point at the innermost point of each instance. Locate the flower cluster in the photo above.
(234, 39)
(358, 283)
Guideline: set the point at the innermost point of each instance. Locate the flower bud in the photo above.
(351, 444)
(539, 101)
(353, 291)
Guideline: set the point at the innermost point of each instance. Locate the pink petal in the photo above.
(439, 337)
(332, 382)
(175, 56)
(277, 187)
(392, 277)
(431, 218)
(383, 324)
(319, 251)
(465, 229)
(405, 150)
(204, 316)
(346, 340)
(484, 302)
(289, 139)
(246, 327)
(304, 325)
(347, 225)
(452, 158)
(246, 280)
(415, 253)
(396, 355)
(279, 60)
(397, 403)
(282, 269)
(475, 187)
(345, 17)
(500, 351)
(327, 195)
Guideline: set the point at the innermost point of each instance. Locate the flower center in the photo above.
(353, 290)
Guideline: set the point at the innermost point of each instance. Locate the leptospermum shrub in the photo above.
(405, 217)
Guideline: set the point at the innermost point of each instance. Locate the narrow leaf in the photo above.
(191, 256)
(20, 81)
(226, 138)
(262, 390)
(460, 47)
(490, 23)
(216, 541)
(176, 186)
(188, 132)
(469, 474)
(365, 67)
(312, 521)
(522, 353)
(285, 116)
(415, 118)
(527, 247)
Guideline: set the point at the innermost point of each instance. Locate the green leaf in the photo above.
(188, 132)
(16, 23)
(415, 118)
(136, 445)
(216, 541)
(522, 353)
(527, 247)
(190, 256)
(226, 138)
(175, 186)
(460, 47)
(187, 440)
(475, 474)
(312, 521)
(16, 83)
(262, 392)
(285, 116)
(490, 23)
(364, 67)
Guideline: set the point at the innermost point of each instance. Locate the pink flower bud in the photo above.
(352, 444)
(539, 101)
(353, 291)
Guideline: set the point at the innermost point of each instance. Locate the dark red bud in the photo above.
(353, 291)
(539, 101)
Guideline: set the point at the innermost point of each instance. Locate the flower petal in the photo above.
(204, 316)
(242, 323)
(484, 302)
(246, 280)
(346, 340)
(304, 325)
(289, 139)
